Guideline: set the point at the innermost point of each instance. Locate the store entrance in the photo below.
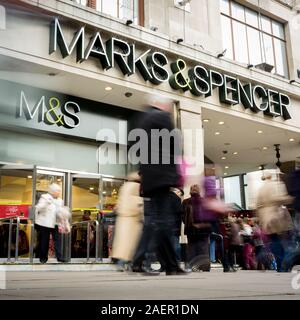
(16, 196)
(86, 207)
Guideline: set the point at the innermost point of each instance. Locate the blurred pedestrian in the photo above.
(129, 221)
(158, 175)
(47, 208)
(274, 219)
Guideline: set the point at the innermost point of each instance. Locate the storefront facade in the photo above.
(70, 72)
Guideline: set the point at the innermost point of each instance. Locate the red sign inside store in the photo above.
(10, 210)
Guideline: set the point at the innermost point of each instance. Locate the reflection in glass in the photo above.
(278, 29)
(224, 6)
(267, 46)
(265, 24)
(110, 7)
(237, 11)
(254, 46)
(227, 36)
(251, 18)
(240, 42)
(281, 59)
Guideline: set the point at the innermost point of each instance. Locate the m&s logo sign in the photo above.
(50, 111)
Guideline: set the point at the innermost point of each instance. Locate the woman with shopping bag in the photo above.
(129, 222)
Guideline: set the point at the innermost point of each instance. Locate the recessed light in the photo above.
(259, 131)
(58, 180)
(217, 133)
(104, 192)
(265, 148)
(235, 153)
(29, 177)
(226, 167)
(108, 88)
(260, 167)
(223, 158)
(291, 139)
(205, 120)
(91, 188)
(221, 122)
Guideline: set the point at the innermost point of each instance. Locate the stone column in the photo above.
(190, 123)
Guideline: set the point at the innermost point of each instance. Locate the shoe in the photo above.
(178, 272)
(43, 261)
(146, 271)
(230, 270)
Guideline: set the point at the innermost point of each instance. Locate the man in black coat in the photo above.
(159, 173)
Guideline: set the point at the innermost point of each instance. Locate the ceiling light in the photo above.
(265, 148)
(29, 177)
(223, 158)
(108, 88)
(235, 153)
(259, 131)
(217, 133)
(221, 122)
(205, 120)
(226, 167)
(91, 188)
(58, 180)
(291, 139)
(104, 192)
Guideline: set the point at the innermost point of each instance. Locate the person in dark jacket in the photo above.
(158, 175)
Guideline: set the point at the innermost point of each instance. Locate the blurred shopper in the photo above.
(235, 249)
(46, 212)
(248, 250)
(158, 176)
(274, 219)
(129, 222)
(293, 186)
(201, 219)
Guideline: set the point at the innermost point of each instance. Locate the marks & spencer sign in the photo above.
(155, 67)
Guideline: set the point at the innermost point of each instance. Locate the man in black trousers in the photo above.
(158, 176)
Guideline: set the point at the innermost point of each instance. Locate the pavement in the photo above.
(114, 285)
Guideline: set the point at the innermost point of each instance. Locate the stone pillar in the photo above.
(193, 145)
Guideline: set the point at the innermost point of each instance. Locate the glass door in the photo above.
(16, 195)
(86, 206)
(44, 178)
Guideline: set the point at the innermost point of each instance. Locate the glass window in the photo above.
(15, 191)
(255, 37)
(278, 29)
(281, 59)
(232, 190)
(254, 46)
(227, 36)
(251, 18)
(224, 6)
(268, 50)
(240, 41)
(238, 11)
(265, 24)
(110, 192)
(110, 7)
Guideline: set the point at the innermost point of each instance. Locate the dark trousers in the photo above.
(43, 241)
(158, 231)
